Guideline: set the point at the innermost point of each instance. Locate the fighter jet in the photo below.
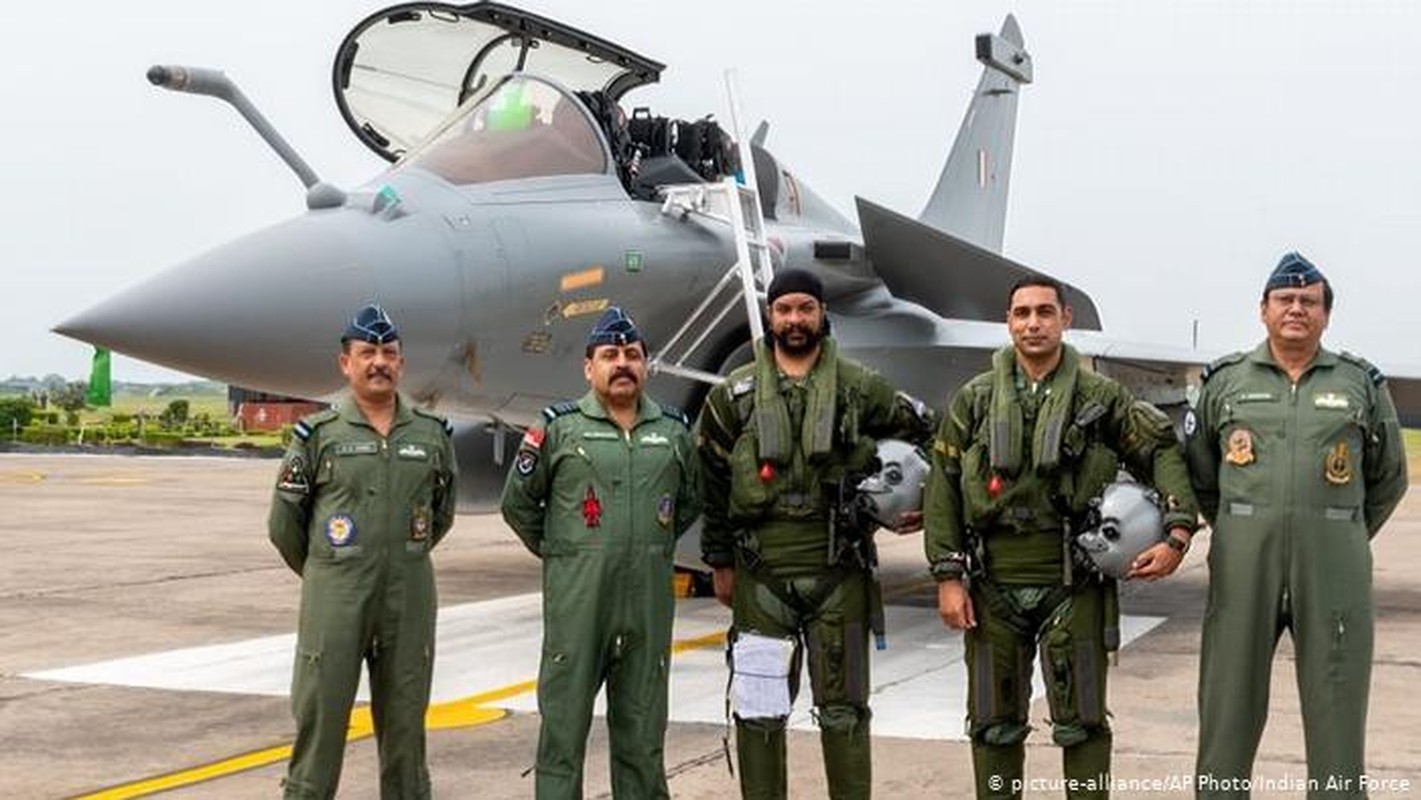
(527, 192)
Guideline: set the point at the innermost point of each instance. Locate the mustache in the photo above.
(381, 372)
(809, 336)
(623, 373)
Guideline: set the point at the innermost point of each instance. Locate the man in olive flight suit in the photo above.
(600, 492)
(1020, 454)
(780, 440)
(1296, 454)
(364, 494)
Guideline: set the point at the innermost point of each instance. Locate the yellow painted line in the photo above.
(207, 772)
(114, 480)
(463, 713)
(19, 476)
(572, 281)
(709, 640)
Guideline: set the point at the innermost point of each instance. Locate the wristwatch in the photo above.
(1179, 544)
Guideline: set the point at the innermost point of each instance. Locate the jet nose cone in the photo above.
(265, 311)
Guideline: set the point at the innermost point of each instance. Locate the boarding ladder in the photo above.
(732, 203)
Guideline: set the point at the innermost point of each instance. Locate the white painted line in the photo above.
(919, 682)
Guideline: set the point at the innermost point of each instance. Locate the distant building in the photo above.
(259, 411)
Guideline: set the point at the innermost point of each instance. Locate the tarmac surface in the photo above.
(121, 566)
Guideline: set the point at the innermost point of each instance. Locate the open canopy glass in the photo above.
(402, 71)
(523, 128)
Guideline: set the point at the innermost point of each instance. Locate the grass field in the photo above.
(150, 402)
(213, 405)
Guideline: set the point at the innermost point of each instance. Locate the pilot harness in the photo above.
(1081, 477)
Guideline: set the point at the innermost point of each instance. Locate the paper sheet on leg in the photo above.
(761, 682)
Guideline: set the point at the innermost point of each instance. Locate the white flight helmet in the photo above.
(897, 486)
(1122, 523)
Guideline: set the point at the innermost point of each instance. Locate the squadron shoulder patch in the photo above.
(293, 476)
(525, 462)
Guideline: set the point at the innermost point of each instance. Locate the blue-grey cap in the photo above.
(371, 324)
(614, 327)
(1293, 272)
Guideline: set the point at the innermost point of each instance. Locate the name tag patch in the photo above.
(357, 449)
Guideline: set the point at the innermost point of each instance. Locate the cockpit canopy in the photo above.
(524, 128)
(402, 71)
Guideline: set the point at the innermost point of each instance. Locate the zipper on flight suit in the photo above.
(1290, 430)
(389, 523)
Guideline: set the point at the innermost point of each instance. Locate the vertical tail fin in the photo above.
(970, 200)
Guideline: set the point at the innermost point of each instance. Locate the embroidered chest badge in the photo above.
(1240, 452)
(665, 510)
(767, 472)
(419, 525)
(340, 530)
(995, 484)
(412, 451)
(591, 508)
(1331, 400)
(1337, 467)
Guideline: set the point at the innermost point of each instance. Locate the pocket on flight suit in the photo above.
(1249, 434)
(750, 495)
(336, 527)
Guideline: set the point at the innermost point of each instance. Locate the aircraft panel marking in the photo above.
(573, 281)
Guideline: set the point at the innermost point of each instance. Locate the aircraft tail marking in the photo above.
(970, 200)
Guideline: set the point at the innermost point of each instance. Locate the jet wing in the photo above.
(401, 71)
(952, 277)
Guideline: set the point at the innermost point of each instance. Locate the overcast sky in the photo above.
(1167, 154)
